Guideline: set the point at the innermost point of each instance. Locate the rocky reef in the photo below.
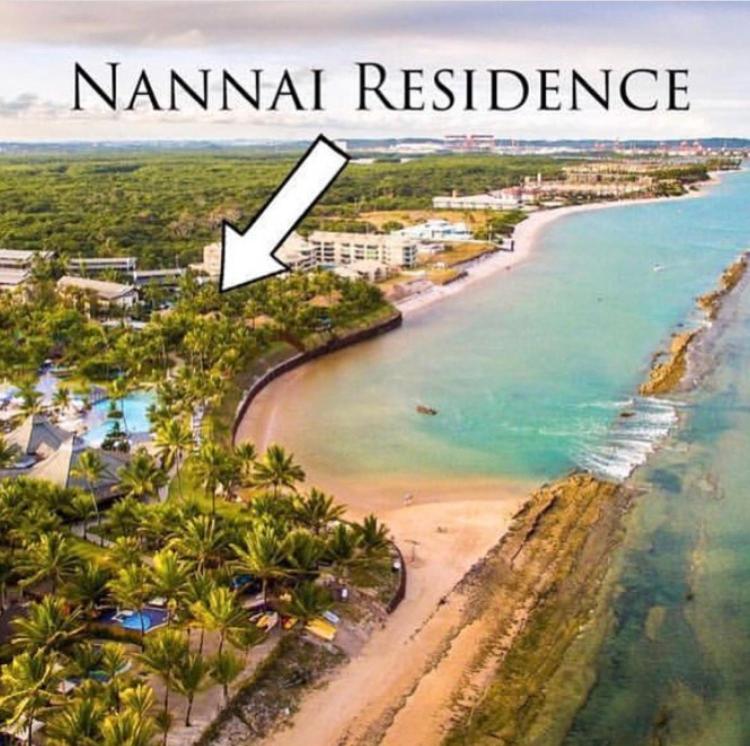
(667, 375)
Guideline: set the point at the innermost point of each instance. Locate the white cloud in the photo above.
(41, 41)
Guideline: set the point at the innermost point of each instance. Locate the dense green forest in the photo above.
(163, 207)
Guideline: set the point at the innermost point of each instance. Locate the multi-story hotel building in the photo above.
(332, 249)
(329, 249)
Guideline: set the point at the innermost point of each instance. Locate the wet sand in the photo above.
(449, 525)
(525, 235)
(443, 530)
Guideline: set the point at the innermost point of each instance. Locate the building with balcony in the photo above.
(97, 265)
(332, 249)
(15, 266)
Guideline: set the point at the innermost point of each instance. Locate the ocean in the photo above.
(528, 372)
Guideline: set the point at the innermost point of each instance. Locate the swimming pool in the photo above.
(135, 421)
(145, 620)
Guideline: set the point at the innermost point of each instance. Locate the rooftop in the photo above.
(21, 255)
(36, 435)
(59, 468)
(105, 290)
(93, 261)
(13, 277)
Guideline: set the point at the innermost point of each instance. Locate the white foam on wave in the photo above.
(630, 440)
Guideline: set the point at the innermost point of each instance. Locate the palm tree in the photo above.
(127, 728)
(201, 540)
(246, 455)
(90, 468)
(48, 625)
(88, 586)
(76, 723)
(51, 557)
(169, 577)
(309, 601)
(221, 613)
(189, 677)
(225, 668)
(61, 398)
(261, 554)
(197, 590)
(210, 465)
(162, 656)
(277, 469)
(246, 638)
(373, 536)
(142, 478)
(316, 510)
(341, 548)
(8, 453)
(126, 550)
(84, 659)
(303, 551)
(139, 698)
(118, 390)
(113, 663)
(28, 680)
(83, 509)
(124, 517)
(173, 440)
(131, 587)
(31, 399)
(230, 477)
(7, 571)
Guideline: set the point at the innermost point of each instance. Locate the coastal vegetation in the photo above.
(117, 620)
(201, 524)
(200, 330)
(193, 563)
(162, 208)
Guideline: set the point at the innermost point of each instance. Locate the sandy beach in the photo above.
(525, 235)
(405, 677)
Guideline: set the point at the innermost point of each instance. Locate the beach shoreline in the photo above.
(428, 644)
(526, 236)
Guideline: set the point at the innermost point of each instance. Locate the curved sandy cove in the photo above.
(399, 687)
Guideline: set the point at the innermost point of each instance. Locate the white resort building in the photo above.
(211, 264)
(107, 293)
(436, 230)
(15, 266)
(504, 199)
(99, 264)
(330, 250)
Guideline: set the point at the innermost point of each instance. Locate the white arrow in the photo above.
(248, 256)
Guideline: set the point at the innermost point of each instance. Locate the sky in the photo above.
(40, 42)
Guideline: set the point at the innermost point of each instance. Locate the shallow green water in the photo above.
(529, 370)
(674, 667)
(528, 373)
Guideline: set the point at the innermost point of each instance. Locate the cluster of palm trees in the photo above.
(189, 553)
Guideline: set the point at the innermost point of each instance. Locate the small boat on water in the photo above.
(422, 409)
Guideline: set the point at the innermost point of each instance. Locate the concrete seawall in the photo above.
(332, 345)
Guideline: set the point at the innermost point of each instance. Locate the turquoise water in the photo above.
(528, 370)
(674, 666)
(135, 421)
(528, 373)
